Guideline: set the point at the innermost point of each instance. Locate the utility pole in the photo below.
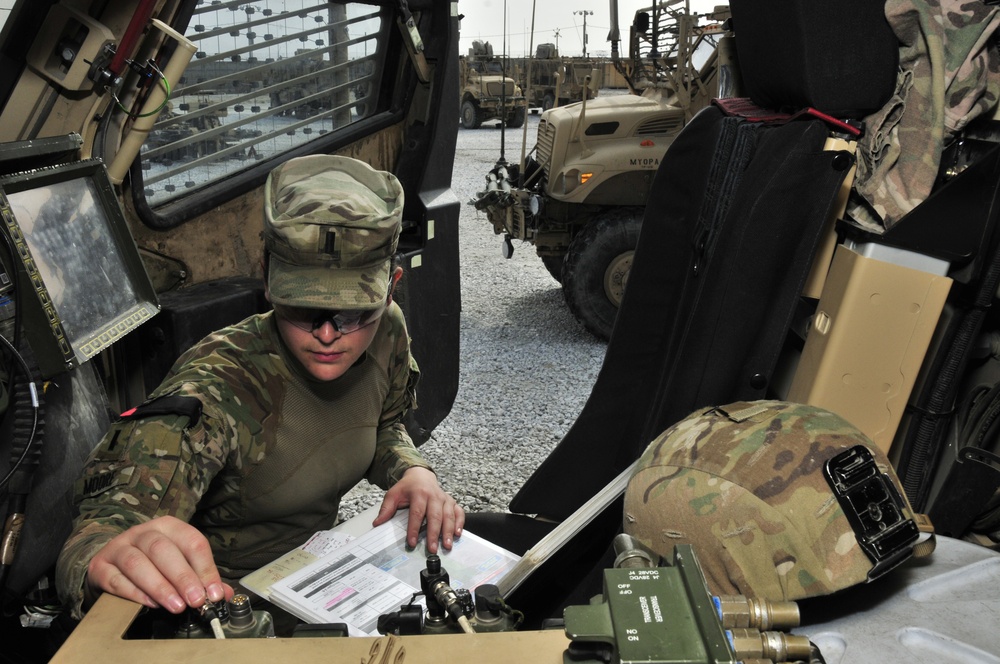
(586, 13)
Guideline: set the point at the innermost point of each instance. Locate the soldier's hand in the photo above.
(165, 563)
(419, 490)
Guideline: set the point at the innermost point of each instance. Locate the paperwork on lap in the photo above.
(341, 575)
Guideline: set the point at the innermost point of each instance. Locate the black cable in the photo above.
(33, 392)
(17, 502)
(21, 466)
(15, 282)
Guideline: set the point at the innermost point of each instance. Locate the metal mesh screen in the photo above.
(268, 76)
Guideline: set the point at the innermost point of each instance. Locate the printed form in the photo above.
(376, 574)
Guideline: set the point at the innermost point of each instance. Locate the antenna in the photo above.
(586, 13)
(503, 87)
(529, 58)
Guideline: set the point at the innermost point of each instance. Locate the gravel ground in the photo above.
(526, 365)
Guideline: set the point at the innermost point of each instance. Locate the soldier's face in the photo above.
(325, 352)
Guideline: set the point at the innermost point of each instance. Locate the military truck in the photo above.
(487, 92)
(166, 143)
(549, 80)
(579, 197)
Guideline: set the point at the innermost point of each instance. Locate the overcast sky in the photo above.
(484, 20)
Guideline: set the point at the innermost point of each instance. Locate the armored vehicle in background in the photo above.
(487, 92)
(579, 196)
(548, 80)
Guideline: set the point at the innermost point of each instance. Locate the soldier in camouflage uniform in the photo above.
(745, 485)
(250, 442)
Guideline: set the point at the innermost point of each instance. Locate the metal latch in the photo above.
(414, 44)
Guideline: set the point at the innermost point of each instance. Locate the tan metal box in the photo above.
(867, 340)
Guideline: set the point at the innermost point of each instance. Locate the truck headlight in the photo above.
(566, 182)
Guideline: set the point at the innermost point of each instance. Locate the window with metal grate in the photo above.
(268, 77)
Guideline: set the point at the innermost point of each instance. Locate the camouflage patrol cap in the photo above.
(745, 484)
(331, 224)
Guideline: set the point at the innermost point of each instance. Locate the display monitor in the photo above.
(82, 284)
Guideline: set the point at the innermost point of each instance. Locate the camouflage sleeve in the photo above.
(394, 450)
(141, 469)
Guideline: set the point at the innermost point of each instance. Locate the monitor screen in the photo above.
(78, 258)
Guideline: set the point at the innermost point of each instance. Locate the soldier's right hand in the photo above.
(164, 562)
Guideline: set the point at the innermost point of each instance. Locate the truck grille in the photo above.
(660, 126)
(546, 138)
(496, 88)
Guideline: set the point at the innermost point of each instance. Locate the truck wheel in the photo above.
(597, 266)
(470, 115)
(517, 118)
(548, 101)
(554, 264)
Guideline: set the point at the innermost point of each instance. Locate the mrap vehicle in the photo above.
(549, 80)
(488, 90)
(579, 196)
(135, 137)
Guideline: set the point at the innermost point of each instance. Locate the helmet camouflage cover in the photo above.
(746, 485)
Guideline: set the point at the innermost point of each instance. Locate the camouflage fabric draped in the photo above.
(949, 75)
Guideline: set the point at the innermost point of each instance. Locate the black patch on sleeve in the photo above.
(189, 407)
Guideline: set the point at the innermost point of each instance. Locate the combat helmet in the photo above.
(781, 501)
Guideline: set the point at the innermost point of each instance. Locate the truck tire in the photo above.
(517, 118)
(597, 266)
(554, 264)
(471, 118)
(548, 101)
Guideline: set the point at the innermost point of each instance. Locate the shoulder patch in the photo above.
(173, 404)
